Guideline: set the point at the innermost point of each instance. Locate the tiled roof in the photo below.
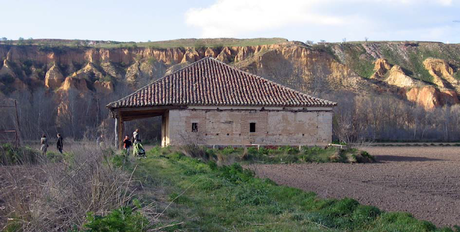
(209, 82)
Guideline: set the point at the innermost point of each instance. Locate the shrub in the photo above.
(235, 173)
(54, 157)
(10, 155)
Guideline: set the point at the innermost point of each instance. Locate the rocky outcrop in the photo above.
(441, 72)
(54, 77)
(430, 97)
(225, 55)
(381, 67)
(427, 97)
(398, 78)
(89, 72)
(104, 87)
(73, 83)
(191, 55)
(423, 94)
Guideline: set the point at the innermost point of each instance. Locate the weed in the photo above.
(121, 219)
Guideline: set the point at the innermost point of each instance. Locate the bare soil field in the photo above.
(424, 181)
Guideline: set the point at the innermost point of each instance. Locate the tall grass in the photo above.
(57, 196)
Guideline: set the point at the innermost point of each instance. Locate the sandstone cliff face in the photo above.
(406, 70)
(54, 77)
(408, 66)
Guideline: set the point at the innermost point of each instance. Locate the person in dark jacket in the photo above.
(60, 143)
(127, 145)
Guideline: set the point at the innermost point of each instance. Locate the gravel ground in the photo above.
(424, 181)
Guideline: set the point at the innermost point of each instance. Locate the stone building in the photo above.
(212, 103)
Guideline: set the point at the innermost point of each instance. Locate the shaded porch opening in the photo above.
(123, 116)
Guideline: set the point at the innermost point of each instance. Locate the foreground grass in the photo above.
(210, 198)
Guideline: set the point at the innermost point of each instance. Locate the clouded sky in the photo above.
(142, 20)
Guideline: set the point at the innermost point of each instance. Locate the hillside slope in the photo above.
(72, 83)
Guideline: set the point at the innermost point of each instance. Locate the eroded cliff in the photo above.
(424, 73)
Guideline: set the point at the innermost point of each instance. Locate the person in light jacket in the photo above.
(44, 144)
(138, 148)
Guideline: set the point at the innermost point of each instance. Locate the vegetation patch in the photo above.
(457, 75)
(95, 192)
(11, 155)
(207, 197)
(278, 155)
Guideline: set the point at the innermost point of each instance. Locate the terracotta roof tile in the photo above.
(211, 82)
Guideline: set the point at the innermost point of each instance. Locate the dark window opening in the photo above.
(252, 127)
(194, 127)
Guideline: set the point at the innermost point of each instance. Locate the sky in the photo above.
(301, 20)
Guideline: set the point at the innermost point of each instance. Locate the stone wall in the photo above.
(232, 127)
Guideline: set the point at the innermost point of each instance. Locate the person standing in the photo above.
(136, 136)
(60, 143)
(138, 148)
(127, 145)
(44, 144)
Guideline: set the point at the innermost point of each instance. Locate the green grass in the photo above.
(207, 197)
(364, 67)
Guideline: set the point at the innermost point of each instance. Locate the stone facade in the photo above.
(230, 126)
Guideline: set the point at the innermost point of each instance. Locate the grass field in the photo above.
(206, 197)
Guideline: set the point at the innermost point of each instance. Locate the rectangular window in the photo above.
(252, 127)
(194, 127)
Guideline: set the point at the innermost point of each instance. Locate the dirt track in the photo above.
(424, 181)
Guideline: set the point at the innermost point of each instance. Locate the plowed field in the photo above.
(424, 181)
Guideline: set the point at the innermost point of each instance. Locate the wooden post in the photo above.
(116, 131)
(119, 131)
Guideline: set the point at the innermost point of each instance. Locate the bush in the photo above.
(10, 155)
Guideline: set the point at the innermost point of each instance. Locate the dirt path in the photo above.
(424, 181)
